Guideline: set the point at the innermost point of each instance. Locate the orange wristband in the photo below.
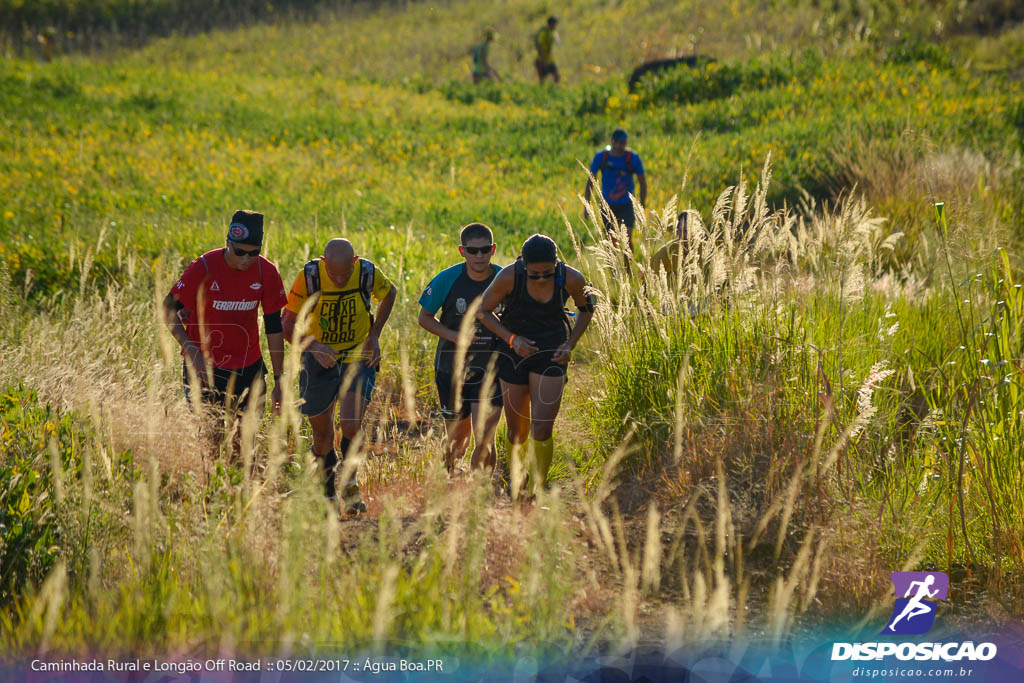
(510, 340)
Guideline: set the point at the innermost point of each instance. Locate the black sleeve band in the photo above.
(589, 306)
(272, 323)
(172, 304)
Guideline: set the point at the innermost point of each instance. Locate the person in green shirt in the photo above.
(545, 40)
(481, 52)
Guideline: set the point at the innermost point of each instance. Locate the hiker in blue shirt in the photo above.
(617, 165)
(470, 401)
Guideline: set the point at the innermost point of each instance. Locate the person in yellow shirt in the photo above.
(545, 40)
(341, 351)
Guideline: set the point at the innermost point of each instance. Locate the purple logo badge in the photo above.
(917, 594)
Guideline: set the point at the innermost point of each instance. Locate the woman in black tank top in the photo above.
(536, 345)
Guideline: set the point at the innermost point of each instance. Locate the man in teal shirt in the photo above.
(470, 403)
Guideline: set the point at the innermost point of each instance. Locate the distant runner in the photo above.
(537, 345)
(616, 164)
(673, 254)
(481, 53)
(478, 409)
(211, 312)
(341, 353)
(545, 40)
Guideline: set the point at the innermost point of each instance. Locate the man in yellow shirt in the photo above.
(341, 351)
(545, 40)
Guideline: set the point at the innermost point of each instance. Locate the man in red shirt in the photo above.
(211, 311)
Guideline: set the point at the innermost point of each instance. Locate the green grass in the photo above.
(95, 147)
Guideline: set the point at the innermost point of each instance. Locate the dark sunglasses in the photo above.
(540, 276)
(243, 253)
(478, 250)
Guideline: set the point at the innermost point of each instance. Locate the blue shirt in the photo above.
(616, 180)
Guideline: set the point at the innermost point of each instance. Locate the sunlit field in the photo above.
(825, 389)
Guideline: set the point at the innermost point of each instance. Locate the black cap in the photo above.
(246, 228)
(539, 249)
(618, 134)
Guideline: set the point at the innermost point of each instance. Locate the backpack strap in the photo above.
(515, 299)
(560, 281)
(312, 272)
(629, 160)
(563, 293)
(519, 286)
(366, 274)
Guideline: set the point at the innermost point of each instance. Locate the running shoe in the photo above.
(351, 498)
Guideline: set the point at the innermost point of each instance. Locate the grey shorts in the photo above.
(319, 386)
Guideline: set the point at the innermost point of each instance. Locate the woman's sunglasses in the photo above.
(540, 276)
(478, 250)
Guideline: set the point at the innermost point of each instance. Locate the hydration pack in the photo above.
(312, 272)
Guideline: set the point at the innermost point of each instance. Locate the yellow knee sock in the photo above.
(543, 453)
(517, 458)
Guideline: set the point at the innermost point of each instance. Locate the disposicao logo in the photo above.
(917, 599)
(914, 613)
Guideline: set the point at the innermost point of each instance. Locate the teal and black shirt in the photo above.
(452, 291)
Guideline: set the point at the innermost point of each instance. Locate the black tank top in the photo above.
(522, 314)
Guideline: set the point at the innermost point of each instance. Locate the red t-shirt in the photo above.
(220, 306)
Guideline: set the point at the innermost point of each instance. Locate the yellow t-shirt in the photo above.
(339, 317)
(545, 41)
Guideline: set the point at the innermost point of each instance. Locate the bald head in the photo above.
(339, 259)
(339, 249)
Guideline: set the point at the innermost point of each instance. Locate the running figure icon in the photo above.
(916, 606)
(914, 612)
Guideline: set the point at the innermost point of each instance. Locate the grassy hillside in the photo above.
(839, 367)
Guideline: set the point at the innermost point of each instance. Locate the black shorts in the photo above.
(621, 213)
(471, 389)
(545, 68)
(241, 382)
(516, 369)
(319, 386)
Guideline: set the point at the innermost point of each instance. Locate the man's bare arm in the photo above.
(432, 325)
